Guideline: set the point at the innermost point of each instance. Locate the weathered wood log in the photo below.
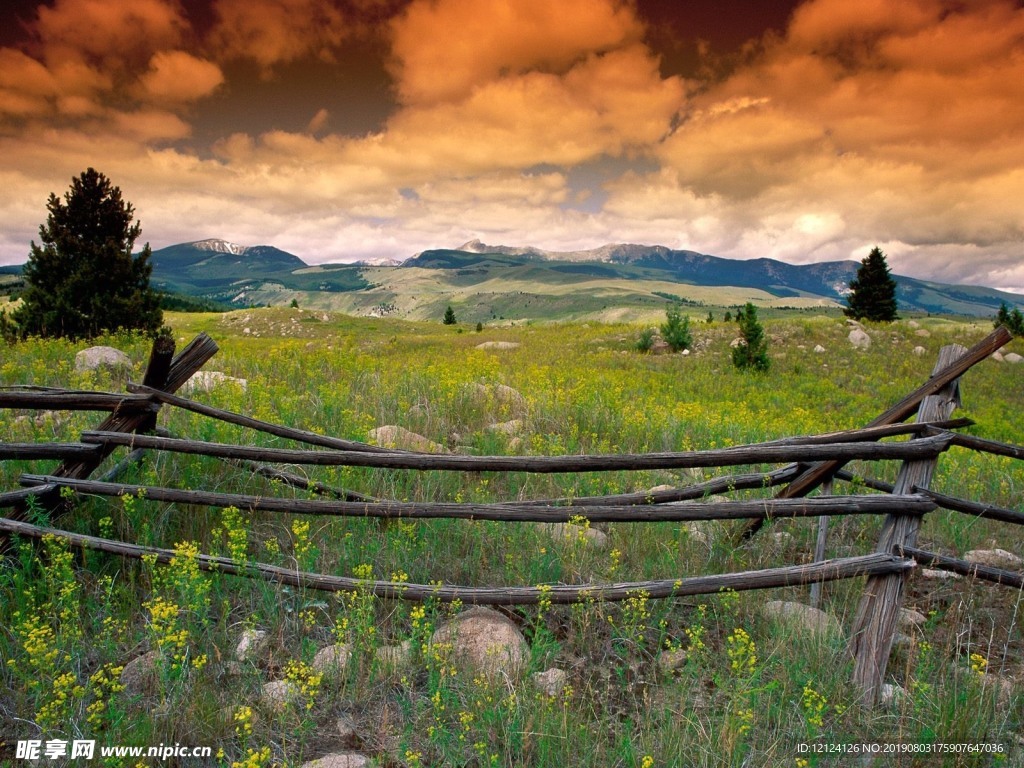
(17, 499)
(707, 510)
(952, 503)
(180, 370)
(303, 483)
(161, 357)
(874, 626)
(963, 567)
(928, 447)
(768, 578)
(816, 475)
(716, 485)
(988, 446)
(72, 400)
(63, 451)
(278, 430)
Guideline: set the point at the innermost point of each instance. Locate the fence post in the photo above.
(875, 624)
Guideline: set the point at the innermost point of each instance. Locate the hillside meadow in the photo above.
(745, 691)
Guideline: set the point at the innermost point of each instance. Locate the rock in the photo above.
(660, 347)
(347, 729)
(339, 760)
(818, 349)
(551, 682)
(204, 381)
(252, 643)
(670, 661)
(333, 659)
(499, 345)
(101, 357)
(919, 351)
(853, 323)
(1013, 358)
(996, 558)
(485, 641)
(736, 342)
(801, 618)
(782, 538)
(278, 694)
(497, 394)
(513, 427)
(910, 619)
(395, 657)
(934, 574)
(139, 676)
(578, 534)
(891, 694)
(859, 338)
(391, 436)
(922, 333)
(997, 356)
(913, 324)
(659, 488)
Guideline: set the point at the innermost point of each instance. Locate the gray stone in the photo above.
(278, 694)
(101, 357)
(911, 619)
(205, 381)
(891, 694)
(333, 659)
(391, 436)
(140, 676)
(1012, 357)
(395, 657)
(671, 660)
(919, 351)
(996, 558)
(499, 345)
(578, 534)
(801, 618)
(339, 760)
(859, 338)
(485, 641)
(251, 644)
(922, 333)
(513, 427)
(551, 682)
(997, 356)
(818, 349)
(501, 395)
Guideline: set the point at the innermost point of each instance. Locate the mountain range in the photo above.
(489, 282)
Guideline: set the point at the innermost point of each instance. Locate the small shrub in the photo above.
(646, 340)
(752, 352)
(676, 329)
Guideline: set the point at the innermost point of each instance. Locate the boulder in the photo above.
(802, 619)
(205, 381)
(578, 534)
(919, 351)
(485, 641)
(913, 324)
(818, 349)
(910, 619)
(922, 333)
(510, 428)
(1012, 357)
(339, 760)
(497, 394)
(251, 644)
(996, 558)
(551, 682)
(394, 657)
(392, 436)
(891, 694)
(278, 694)
(333, 659)
(671, 660)
(140, 676)
(859, 338)
(101, 357)
(499, 345)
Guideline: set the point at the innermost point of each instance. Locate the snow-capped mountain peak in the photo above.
(220, 246)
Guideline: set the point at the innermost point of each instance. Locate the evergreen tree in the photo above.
(449, 316)
(1014, 321)
(676, 329)
(873, 292)
(752, 351)
(83, 279)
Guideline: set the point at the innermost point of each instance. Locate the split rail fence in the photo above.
(807, 462)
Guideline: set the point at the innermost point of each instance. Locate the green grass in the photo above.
(586, 390)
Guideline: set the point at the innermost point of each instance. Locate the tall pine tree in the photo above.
(873, 292)
(83, 280)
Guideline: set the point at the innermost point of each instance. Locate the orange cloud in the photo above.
(271, 32)
(444, 48)
(177, 76)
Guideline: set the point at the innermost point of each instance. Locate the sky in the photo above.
(802, 130)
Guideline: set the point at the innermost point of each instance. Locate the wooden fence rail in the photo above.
(808, 461)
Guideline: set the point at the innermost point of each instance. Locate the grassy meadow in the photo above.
(749, 691)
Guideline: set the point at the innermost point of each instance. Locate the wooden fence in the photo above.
(807, 462)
